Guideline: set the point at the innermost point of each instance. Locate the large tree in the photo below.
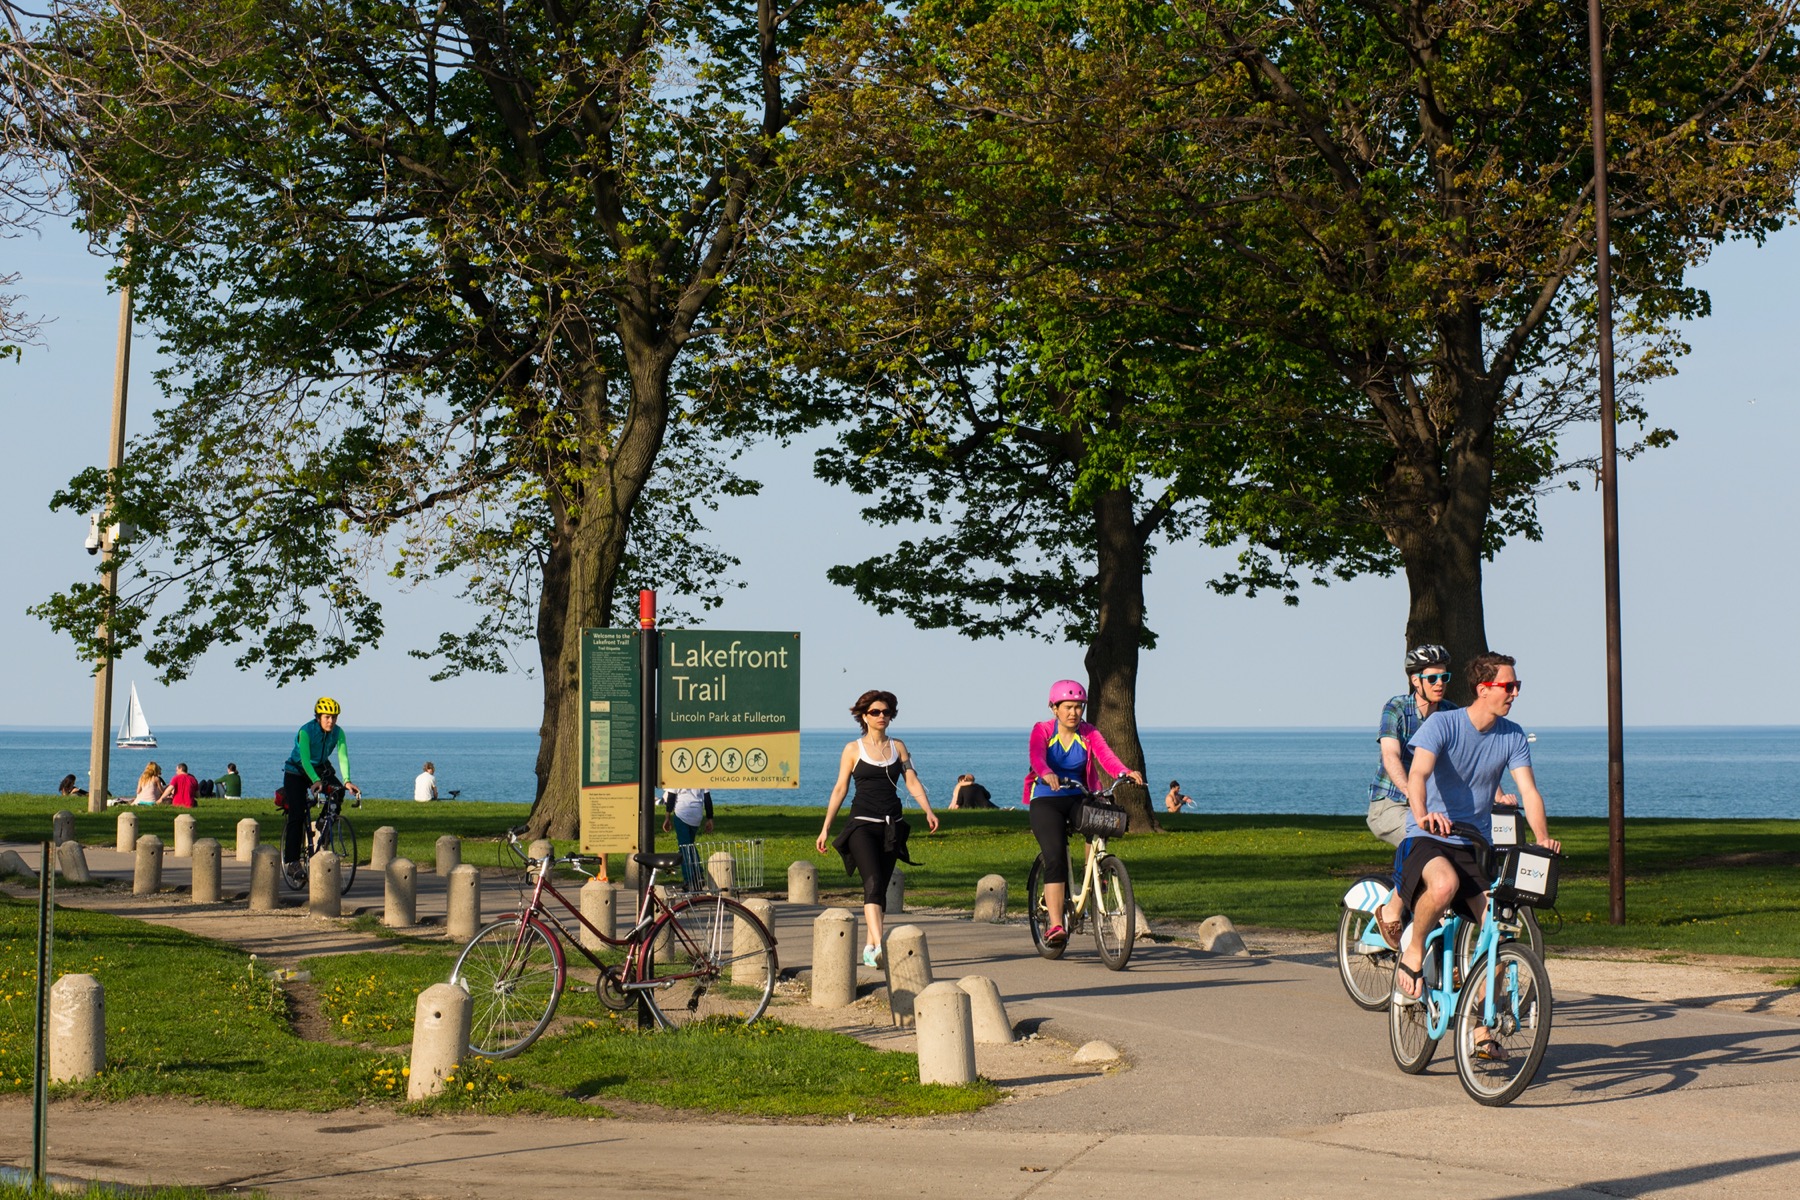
(1382, 210)
(440, 281)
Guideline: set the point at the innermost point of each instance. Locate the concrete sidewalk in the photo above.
(1251, 1076)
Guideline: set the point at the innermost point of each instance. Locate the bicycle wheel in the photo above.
(1115, 913)
(343, 842)
(1036, 914)
(1520, 1033)
(295, 873)
(715, 960)
(1409, 1031)
(1367, 972)
(513, 971)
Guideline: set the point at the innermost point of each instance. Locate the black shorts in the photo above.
(1471, 872)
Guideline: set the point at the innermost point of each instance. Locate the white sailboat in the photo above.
(134, 730)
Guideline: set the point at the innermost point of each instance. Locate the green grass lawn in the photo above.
(1693, 886)
(189, 1017)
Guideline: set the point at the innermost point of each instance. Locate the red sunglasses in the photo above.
(1512, 689)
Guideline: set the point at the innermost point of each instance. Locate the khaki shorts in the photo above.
(1387, 820)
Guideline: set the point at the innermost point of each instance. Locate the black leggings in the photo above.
(296, 790)
(1051, 817)
(873, 863)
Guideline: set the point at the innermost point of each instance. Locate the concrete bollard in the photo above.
(1217, 935)
(146, 878)
(12, 864)
(946, 1039)
(834, 959)
(400, 906)
(664, 942)
(62, 827)
(896, 893)
(385, 848)
(325, 885)
(440, 1038)
(77, 1028)
(987, 1012)
(245, 850)
(908, 970)
(721, 871)
(184, 836)
(463, 921)
(449, 854)
(748, 968)
(71, 862)
(265, 879)
(1143, 922)
(127, 839)
(803, 883)
(539, 849)
(990, 899)
(600, 907)
(204, 886)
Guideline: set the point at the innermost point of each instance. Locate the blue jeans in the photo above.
(684, 838)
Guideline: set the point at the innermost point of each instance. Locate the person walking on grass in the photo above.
(1067, 756)
(874, 838)
(687, 812)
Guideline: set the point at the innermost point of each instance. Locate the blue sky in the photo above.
(1708, 553)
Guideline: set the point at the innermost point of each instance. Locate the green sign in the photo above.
(611, 707)
(729, 709)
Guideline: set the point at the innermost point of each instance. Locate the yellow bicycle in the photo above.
(1104, 899)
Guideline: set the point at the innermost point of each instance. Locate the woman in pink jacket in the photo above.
(1067, 756)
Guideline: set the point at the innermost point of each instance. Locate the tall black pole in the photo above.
(649, 655)
(1609, 486)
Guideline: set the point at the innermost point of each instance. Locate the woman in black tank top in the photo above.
(874, 839)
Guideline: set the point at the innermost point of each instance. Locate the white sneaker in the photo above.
(871, 956)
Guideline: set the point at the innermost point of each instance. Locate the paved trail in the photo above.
(1248, 1076)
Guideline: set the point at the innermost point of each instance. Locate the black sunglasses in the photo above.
(876, 712)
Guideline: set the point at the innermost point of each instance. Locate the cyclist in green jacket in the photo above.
(314, 746)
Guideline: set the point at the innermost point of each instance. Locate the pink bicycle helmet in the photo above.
(1066, 689)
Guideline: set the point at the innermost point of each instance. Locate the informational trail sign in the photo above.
(612, 687)
(728, 709)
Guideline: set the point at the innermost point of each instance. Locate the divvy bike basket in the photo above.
(1101, 820)
(1527, 877)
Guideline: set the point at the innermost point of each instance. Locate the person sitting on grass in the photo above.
(1459, 756)
(150, 784)
(67, 787)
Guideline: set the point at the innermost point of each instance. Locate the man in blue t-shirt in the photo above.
(1458, 759)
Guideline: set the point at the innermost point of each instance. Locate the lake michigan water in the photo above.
(1700, 771)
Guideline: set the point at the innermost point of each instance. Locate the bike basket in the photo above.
(1100, 820)
(1528, 877)
(728, 867)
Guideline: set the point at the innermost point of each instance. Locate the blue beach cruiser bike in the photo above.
(1497, 1002)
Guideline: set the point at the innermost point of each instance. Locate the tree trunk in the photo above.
(587, 548)
(1442, 552)
(1112, 659)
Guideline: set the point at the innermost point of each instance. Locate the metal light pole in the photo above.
(1609, 486)
(100, 747)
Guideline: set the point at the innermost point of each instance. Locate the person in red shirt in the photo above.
(180, 791)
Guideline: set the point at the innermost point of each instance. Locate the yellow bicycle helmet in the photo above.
(326, 707)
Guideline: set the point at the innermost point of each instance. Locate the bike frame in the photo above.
(1090, 871)
(629, 977)
(1449, 992)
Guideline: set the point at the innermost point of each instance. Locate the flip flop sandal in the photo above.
(1489, 1050)
(1400, 993)
(1390, 930)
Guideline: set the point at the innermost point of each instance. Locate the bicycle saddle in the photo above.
(657, 862)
